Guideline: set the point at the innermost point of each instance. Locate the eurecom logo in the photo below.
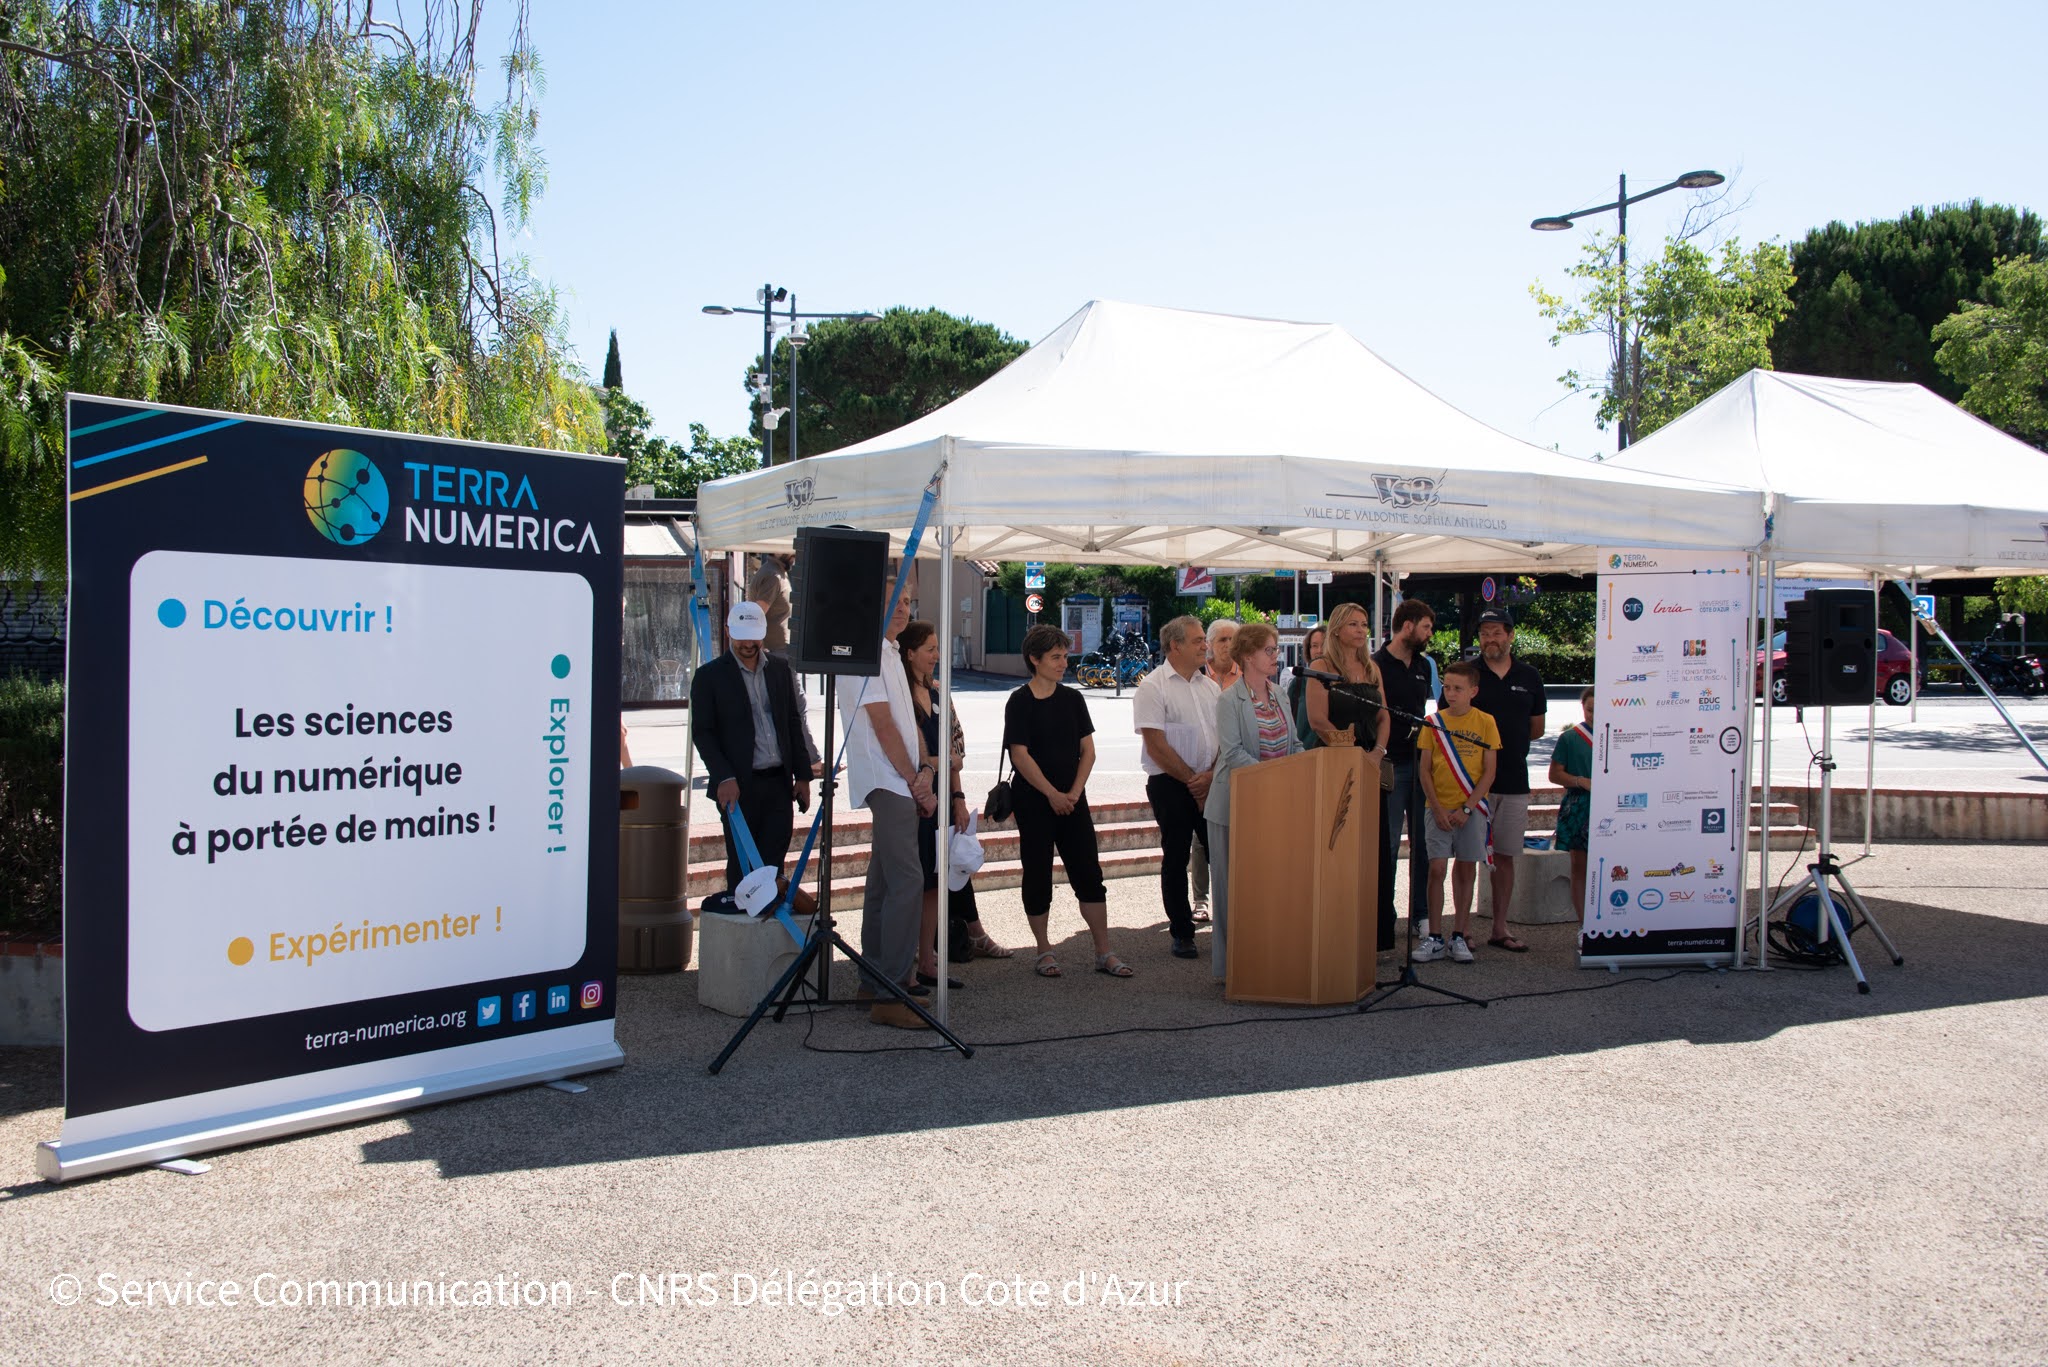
(346, 497)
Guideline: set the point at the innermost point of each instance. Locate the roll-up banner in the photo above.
(1663, 875)
(340, 808)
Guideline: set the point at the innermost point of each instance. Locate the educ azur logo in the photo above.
(347, 499)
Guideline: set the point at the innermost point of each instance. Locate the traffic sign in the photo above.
(1321, 576)
(1034, 575)
(1487, 589)
(1923, 606)
(1034, 603)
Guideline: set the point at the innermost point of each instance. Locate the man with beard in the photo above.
(1512, 694)
(1404, 672)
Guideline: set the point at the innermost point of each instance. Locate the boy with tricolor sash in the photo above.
(1455, 760)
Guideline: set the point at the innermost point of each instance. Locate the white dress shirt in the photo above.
(867, 764)
(1181, 710)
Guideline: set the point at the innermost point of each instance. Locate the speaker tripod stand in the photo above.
(1826, 869)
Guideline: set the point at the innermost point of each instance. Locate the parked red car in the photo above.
(1895, 683)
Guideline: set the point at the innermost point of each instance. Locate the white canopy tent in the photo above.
(1863, 475)
(1137, 435)
(1869, 478)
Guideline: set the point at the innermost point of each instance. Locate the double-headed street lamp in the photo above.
(1624, 375)
(768, 296)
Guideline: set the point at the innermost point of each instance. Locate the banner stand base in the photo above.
(1718, 959)
(59, 1162)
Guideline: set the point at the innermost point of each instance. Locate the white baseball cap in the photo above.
(966, 855)
(756, 892)
(746, 622)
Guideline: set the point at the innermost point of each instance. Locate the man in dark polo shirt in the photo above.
(1512, 694)
(1404, 669)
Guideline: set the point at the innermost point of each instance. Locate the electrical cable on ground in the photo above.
(809, 1007)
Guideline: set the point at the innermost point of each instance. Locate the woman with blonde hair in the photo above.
(1251, 725)
(1357, 715)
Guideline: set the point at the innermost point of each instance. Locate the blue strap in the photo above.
(700, 603)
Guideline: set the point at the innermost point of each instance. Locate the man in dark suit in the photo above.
(748, 726)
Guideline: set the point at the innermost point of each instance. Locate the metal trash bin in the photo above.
(654, 865)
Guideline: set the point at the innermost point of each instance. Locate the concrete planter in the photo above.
(31, 993)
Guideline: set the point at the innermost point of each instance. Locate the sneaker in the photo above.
(1200, 912)
(1429, 950)
(1461, 953)
(1185, 949)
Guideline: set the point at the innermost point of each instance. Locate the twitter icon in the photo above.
(490, 1011)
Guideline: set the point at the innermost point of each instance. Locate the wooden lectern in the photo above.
(1304, 879)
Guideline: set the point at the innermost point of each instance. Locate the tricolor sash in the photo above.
(1585, 733)
(1456, 763)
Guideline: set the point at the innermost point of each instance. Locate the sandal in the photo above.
(1113, 966)
(988, 948)
(1047, 966)
(1509, 943)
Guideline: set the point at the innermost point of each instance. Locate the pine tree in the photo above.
(612, 378)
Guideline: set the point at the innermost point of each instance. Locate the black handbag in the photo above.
(1000, 803)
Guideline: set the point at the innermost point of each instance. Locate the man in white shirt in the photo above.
(1174, 711)
(885, 775)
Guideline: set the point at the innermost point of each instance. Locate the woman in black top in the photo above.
(1050, 738)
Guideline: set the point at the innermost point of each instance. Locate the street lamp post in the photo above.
(1624, 375)
(768, 296)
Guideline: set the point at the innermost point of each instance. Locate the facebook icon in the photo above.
(523, 1005)
(558, 999)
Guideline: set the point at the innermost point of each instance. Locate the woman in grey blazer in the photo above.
(1252, 724)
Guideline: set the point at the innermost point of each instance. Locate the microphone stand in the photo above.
(1418, 845)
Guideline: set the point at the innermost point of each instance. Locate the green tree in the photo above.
(269, 206)
(1690, 323)
(859, 380)
(674, 471)
(2026, 593)
(1868, 298)
(1998, 351)
(613, 378)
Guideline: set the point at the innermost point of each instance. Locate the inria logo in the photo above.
(1632, 608)
(346, 497)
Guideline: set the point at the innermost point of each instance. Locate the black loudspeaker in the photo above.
(1831, 648)
(839, 586)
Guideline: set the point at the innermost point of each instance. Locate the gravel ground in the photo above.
(1704, 1167)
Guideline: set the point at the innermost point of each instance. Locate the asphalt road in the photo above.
(1707, 1168)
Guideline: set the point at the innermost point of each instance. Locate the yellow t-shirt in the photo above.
(1442, 777)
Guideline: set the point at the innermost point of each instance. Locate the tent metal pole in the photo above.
(1748, 694)
(1913, 653)
(1870, 737)
(944, 759)
(1763, 884)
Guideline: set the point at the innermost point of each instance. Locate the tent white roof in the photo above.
(1135, 434)
(1866, 475)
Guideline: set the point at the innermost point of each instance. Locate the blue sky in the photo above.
(1374, 166)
